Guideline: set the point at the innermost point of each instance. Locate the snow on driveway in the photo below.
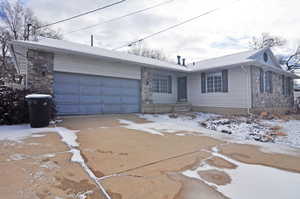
(240, 132)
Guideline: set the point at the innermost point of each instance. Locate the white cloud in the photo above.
(225, 31)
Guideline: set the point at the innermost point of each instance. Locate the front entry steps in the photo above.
(166, 108)
(182, 107)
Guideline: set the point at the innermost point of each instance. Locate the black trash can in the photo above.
(39, 110)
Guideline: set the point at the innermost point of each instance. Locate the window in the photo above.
(214, 82)
(161, 83)
(287, 86)
(266, 58)
(266, 81)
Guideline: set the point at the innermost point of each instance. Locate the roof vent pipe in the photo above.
(183, 61)
(179, 60)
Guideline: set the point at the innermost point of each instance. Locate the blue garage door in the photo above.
(77, 94)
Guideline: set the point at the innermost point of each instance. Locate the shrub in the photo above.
(14, 108)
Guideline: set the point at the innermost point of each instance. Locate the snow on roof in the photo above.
(66, 46)
(227, 60)
(247, 57)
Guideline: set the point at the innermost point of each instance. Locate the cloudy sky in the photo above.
(223, 32)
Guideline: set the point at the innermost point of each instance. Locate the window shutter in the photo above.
(261, 80)
(289, 86)
(283, 85)
(271, 81)
(225, 80)
(170, 84)
(203, 82)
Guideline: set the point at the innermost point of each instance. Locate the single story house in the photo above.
(90, 80)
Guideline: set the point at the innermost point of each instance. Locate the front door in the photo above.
(182, 89)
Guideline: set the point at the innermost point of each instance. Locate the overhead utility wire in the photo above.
(80, 15)
(121, 17)
(171, 27)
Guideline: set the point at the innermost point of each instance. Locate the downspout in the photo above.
(247, 92)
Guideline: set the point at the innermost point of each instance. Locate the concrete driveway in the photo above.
(129, 164)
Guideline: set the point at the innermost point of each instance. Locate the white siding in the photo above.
(167, 98)
(86, 65)
(238, 96)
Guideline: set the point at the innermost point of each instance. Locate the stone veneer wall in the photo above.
(146, 86)
(40, 71)
(275, 101)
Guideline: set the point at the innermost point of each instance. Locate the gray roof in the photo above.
(251, 57)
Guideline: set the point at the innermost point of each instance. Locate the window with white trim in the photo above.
(214, 82)
(161, 83)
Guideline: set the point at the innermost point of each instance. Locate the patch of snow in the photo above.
(18, 156)
(250, 180)
(37, 136)
(291, 127)
(141, 127)
(68, 136)
(244, 131)
(164, 124)
(37, 96)
(50, 165)
(20, 132)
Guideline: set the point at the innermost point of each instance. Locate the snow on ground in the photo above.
(283, 184)
(164, 124)
(239, 129)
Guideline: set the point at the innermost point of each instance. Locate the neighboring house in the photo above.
(90, 80)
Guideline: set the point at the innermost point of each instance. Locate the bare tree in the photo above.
(266, 40)
(142, 50)
(293, 61)
(18, 22)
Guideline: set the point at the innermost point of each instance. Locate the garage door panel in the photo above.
(90, 99)
(66, 89)
(129, 92)
(68, 109)
(90, 90)
(112, 108)
(111, 100)
(111, 91)
(67, 99)
(130, 100)
(90, 80)
(77, 94)
(129, 108)
(110, 83)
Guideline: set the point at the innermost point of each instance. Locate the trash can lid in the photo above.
(37, 96)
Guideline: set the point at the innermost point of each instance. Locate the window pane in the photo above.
(160, 83)
(218, 83)
(210, 84)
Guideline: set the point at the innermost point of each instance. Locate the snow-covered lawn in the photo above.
(236, 129)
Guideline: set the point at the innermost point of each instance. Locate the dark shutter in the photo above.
(170, 84)
(289, 86)
(283, 85)
(203, 82)
(270, 82)
(261, 80)
(225, 80)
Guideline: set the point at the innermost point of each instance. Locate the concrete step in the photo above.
(182, 108)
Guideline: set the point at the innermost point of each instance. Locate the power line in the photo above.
(81, 14)
(171, 27)
(121, 17)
